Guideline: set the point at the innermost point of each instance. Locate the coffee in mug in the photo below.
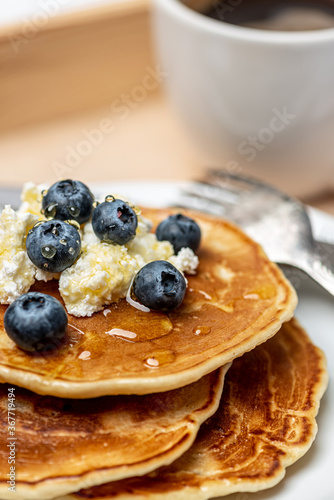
(280, 15)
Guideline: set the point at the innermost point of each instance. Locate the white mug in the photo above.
(259, 102)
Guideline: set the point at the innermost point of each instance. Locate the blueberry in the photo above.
(181, 231)
(36, 322)
(159, 285)
(114, 221)
(68, 200)
(53, 245)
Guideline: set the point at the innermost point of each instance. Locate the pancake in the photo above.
(62, 444)
(237, 300)
(265, 422)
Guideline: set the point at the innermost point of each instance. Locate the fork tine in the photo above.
(242, 181)
(228, 185)
(233, 181)
(220, 176)
(203, 204)
(214, 192)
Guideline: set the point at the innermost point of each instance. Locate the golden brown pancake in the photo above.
(63, 445)
(237, 300)
(265, 422)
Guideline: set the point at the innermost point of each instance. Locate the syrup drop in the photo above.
(74, 335)
(265, 292)
(152, 362)
(134, 303)
(74, 211)
(158, 358)
(76, 329)
(110, 198)
(122, 334)
(48, 251)
(85, 355)
(228, 308)
(201, 330)
(50, 211)
(252, 296)
(205, 295)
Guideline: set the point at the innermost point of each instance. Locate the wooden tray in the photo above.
(71, 62)
(81, 98)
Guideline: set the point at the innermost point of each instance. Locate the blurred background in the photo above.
(21, 10)
(81, 96)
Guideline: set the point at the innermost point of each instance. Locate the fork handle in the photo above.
(320, 265)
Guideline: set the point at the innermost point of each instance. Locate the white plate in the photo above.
(312, 476)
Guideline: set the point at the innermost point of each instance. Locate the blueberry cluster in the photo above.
(114, 221)
(35, 321)
(55, 244)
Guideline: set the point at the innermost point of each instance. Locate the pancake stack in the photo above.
(113, 416)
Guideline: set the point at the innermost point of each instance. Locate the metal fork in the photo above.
(277, 221)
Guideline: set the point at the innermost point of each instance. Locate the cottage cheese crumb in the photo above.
(41, 275)
(185, 261)
(149, 248)
(17, 272)
(31, 198)
(103, 272)
(100, 276)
